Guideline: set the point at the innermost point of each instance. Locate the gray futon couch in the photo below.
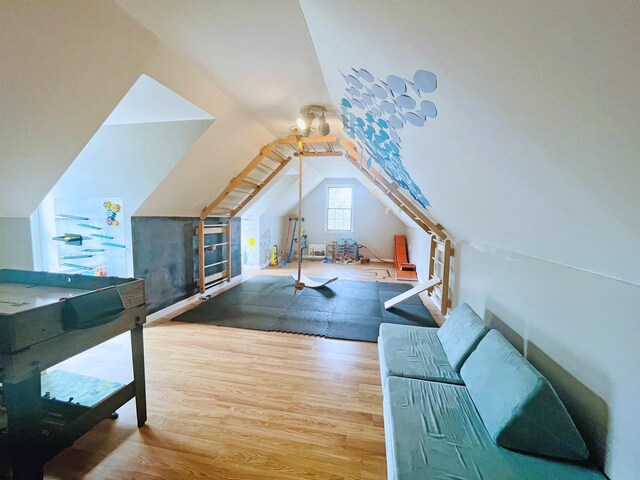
(460, 402)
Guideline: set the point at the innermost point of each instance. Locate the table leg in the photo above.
(137, 355)
(24, 419)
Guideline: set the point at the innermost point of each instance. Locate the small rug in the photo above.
(344, 309)
(74, 388)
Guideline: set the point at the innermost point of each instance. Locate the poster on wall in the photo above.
(90, 236)
(250, 248)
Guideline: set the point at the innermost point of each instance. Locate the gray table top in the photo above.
(19, 297)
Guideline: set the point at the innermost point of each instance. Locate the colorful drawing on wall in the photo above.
(103, 253)
(375, 111)
(265, 247)
(249, 240)
(112, 210)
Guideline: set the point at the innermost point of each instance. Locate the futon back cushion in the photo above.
(518, 406)
(460, 334)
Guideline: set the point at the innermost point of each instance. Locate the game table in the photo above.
(46, 318)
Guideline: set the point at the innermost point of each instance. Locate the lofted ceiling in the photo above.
(259, 52)
(534, 145)
(510, 101)
(278, 72)
(149, 101)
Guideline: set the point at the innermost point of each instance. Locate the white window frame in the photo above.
(326, 206)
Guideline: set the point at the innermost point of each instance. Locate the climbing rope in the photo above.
(298, 284)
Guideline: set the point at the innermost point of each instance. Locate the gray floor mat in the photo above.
(344, 309)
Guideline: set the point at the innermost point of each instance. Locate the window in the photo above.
(340, 209)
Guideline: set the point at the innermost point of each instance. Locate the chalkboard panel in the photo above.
(165, 253)
(165, 256)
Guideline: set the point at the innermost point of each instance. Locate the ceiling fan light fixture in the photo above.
(323, 126)
(308, 114)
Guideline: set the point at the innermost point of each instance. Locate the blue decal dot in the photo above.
(354, 81)
(395, 122)
(406, 102)
(357, 103)
(388, 107)
(366, 76)
(396, 84)
(379, 91)
(414, 119)
(425, 81)
(428, 109)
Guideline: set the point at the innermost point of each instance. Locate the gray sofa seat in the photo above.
(433, 431)
(414, 352)
(435, 354)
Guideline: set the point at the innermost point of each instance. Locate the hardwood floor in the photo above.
(236, 404)
(227, 403)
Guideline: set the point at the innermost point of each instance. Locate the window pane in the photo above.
(347, 220)
(339, 197)
(339, 219)
(331, 219)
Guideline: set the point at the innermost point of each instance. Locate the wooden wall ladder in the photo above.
(237, 194)
(392, 190)
(441, 249)
(440, 253)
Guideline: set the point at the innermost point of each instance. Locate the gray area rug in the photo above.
(343, 309)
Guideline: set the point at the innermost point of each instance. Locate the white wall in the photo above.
(537, 121)
(531, 163)
(373, 225)
(15, 243)
(287, 198)
(125, 161)
(579, 328)
(65, 67)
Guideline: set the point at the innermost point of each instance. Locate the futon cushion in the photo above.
(433, 431)
(460, 334)
(517, 404)
(416, 352)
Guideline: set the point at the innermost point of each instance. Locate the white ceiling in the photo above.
(257, 51)
(524, 92)
(149, 101)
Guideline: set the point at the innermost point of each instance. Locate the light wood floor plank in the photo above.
(231, 404)
(236, 404)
